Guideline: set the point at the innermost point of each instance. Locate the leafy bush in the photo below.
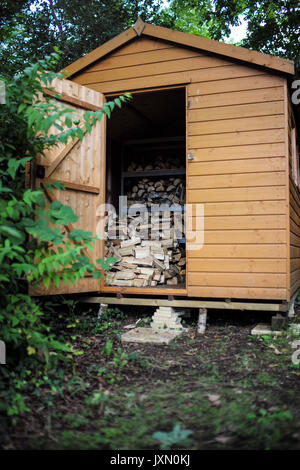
(34, 245)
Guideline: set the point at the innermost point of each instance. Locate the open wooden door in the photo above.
(80, 165)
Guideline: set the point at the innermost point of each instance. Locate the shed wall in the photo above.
(294, 213)
(236, 133)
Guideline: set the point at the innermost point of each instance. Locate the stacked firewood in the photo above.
(145, 263)
(144, 242)
(160, 163)
(167, 191)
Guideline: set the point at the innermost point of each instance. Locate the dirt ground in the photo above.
(229, 389)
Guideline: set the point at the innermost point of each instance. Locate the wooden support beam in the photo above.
(75, 186)
(61, 156)
(155, 302)
(71, 100)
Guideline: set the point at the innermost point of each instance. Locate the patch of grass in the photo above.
(70, 440)
(266, 378)
(240, 388)
(75, 421)
(136, 358)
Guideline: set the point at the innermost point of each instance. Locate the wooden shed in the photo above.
(225, 115)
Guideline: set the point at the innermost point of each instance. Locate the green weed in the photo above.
(177, 436)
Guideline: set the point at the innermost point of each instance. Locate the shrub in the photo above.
(34, 245)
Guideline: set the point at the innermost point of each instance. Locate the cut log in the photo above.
(139, 283)
(124, 275)
(130, 242)
(122, 283)
(172, 282)
(142, 252)
(126, 251)
(143, 262)
(151, 243)
(149, 271)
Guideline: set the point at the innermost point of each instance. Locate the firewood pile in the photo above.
(145, 263)
(166, 191)
(160, 163)
(145, 243)
(154, 190)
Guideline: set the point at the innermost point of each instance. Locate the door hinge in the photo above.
(189, 104)
(190, 156)
(40, 171)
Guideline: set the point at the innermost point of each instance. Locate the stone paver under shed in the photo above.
(150, 335)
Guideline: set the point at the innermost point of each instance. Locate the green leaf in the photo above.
(80, 133)
(12, 232)
(99, 115)
(118, 102)
(3, 189)
(22, 107)
(106, 109)
(14, 164)
(56, 279)
(46, 281)
(55, 184)
(97, 275)
(88, 127)
(68, 122)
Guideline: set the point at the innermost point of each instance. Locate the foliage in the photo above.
(35, 246)
(108, 348)
(32, 28)
(136, 358)
(196, 17)
(113, 370)
(176, 437)
(265, 424)
(98, 399)
(272, 26)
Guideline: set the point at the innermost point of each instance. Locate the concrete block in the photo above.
(166, 318)
(278, 322)
(149, 335)
(263, 329)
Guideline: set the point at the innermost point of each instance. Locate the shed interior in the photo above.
(146, 162)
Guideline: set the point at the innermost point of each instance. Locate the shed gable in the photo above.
(145, 63)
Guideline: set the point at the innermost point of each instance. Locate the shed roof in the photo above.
(184, 39)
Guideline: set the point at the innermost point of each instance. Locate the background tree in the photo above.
(273, 27)
(30, 30)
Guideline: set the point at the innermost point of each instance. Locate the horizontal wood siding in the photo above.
(236, 134)
(294, 200)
